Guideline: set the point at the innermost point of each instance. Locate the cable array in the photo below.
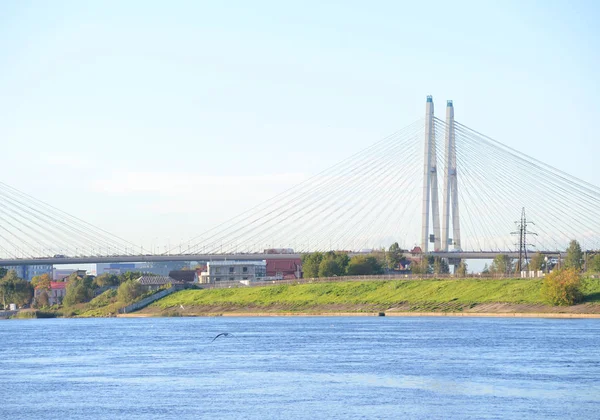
(365, 201)
(30, 228)
(496, 182)
(368, 200)
(374, 197)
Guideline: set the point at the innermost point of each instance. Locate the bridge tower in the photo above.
(430, 185)
(450, 204)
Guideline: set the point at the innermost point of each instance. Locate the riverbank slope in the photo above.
(447, 296)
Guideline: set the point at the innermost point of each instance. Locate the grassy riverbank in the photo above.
(448, 295)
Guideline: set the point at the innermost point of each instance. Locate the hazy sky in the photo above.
(156, 120)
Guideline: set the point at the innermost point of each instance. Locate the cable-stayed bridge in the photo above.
(436, 184)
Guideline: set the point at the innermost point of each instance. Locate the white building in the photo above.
(243, 271)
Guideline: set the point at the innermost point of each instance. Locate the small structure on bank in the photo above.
(279, 269)
(187, 276)
(156, 282)
(240, 271)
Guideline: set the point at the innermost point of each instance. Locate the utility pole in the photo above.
(523, 261)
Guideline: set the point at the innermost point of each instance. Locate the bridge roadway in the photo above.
(479, 255)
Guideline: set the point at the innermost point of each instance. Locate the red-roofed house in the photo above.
(289, 268)
(56, 293)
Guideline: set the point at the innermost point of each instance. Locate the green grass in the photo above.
(426, 293)
(102, 305)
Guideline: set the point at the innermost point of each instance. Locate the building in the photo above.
(156, 282)
(59, 274)
(186, 276)
(243, 271)
(284, 269)
(56, 293)
(27, 272)
(112, 268)
(160, 268)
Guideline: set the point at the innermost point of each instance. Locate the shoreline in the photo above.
(372, 314)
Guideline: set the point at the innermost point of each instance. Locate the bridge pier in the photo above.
(430, 185)
(450, 205)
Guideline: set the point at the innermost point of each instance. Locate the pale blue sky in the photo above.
(156, 120)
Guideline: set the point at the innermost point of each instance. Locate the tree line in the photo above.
(575, 259)
(78, 289)
(332, 264)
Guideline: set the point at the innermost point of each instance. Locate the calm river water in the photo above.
(288, 368)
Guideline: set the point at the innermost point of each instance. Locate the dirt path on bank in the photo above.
(586, 310)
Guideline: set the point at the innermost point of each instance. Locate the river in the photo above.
(297, 367)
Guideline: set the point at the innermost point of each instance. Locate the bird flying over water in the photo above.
(222, 335)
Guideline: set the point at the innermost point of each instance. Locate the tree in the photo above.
(328, 264)
(486, 269)
(394, 255)
(329, 268)
(79, 290)
(41, 282)
(42, 300)
(106, 279)
(342, 259)
(502, 265)
(440, 266)
(461, 270)
(537, 262)
(364, 265)
(72, 276)
(424, 266)
(594, 264)
(380, 256)
(562, 287)
(129, 290)
(310, 264)
(574, 258)
(15, 290)
(131, 275)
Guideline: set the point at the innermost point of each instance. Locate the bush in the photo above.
(129, 290)
(79, 290)
(364, 265)
(42, 300)
(562, 287)
(35, 315)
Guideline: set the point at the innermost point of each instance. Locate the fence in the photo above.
(235, 284)
(7, 314)
(147, 301)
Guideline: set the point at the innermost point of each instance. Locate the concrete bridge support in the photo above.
(430, 185)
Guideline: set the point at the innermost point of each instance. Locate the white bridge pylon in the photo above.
(430, 212)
